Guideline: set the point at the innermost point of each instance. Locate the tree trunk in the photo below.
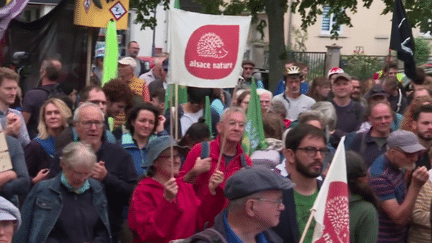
(275, 10)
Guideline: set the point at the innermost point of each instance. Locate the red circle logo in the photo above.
(211, 52)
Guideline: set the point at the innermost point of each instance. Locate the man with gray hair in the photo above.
(386, 179)
(203, 158)
(265, 98)
(10, 220)
(255, 204)
(115, 168)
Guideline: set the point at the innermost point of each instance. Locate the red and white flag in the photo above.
(332, 203)
(206, 50)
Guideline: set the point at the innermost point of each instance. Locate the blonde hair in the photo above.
(65, 112)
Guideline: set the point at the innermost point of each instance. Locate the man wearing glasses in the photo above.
(386, 179)
(114, 169)
(305, 150)
(255, 204)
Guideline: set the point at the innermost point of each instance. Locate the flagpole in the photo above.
(176, 108)
(172, 113)
(221, 152)
(89, 51)
(307, 225)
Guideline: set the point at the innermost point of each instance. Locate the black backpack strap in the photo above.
(243, 161)
(209, 235)
(363, 144)
(205, 149)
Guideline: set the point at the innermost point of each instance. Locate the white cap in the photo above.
(128, 61)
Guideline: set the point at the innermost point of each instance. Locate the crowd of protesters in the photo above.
(102, 165)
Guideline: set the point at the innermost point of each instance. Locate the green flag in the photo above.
(110, 61)
(182, 95)
(207, 115)
(253, 138)
(177, 4)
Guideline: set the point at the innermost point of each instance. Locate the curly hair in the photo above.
(118, 91)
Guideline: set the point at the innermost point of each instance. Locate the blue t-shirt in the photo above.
(233, 238)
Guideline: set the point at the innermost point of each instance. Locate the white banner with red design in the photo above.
(332, 203)
(206, 50)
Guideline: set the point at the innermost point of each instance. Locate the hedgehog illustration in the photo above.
(211, 45)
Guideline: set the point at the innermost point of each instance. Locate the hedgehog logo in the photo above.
(211, 45)
(212, 51)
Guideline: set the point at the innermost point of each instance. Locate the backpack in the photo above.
(209, 235)
(56, 92)
(205, 153)
(52, 92)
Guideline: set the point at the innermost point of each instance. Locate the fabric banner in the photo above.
(10, 11)
(254, 138)
(54, 35)
(97, 13)
(332, 204)
(402, 40)
(110, 62)
(206, 50)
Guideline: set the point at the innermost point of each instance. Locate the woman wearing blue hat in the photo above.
(164, 208)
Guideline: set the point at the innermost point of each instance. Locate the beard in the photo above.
(424, 137)
(307, 171)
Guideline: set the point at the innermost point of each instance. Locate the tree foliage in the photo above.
(422, 51)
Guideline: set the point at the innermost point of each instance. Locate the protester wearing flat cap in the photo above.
(10, 220)
(164, 208)
(386, 179)
(255, 204)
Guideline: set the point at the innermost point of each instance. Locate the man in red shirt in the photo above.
(197, 170)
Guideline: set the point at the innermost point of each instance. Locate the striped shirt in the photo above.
(387, 182)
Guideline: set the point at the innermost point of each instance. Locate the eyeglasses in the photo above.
(175, 156)
(312, 151)
(408, 155)
(80, 174)
(278, 202)
(88, 124)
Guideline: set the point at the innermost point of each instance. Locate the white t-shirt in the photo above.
(188, 119)
(295, 106)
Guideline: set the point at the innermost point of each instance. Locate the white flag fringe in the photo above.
(206, 50)
(332, 204)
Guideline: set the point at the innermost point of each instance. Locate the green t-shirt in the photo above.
(303, 206)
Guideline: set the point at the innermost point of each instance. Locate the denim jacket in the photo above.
(43, 206)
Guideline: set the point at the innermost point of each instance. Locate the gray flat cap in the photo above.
(251, 180)
(404, 140)
(9, 212)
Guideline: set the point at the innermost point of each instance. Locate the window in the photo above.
(328, 21)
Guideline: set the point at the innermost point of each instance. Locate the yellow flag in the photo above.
(97, 13)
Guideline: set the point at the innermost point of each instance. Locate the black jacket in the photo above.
(288, 228)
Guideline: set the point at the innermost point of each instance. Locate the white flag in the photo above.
(206, 50)
(332, 203)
